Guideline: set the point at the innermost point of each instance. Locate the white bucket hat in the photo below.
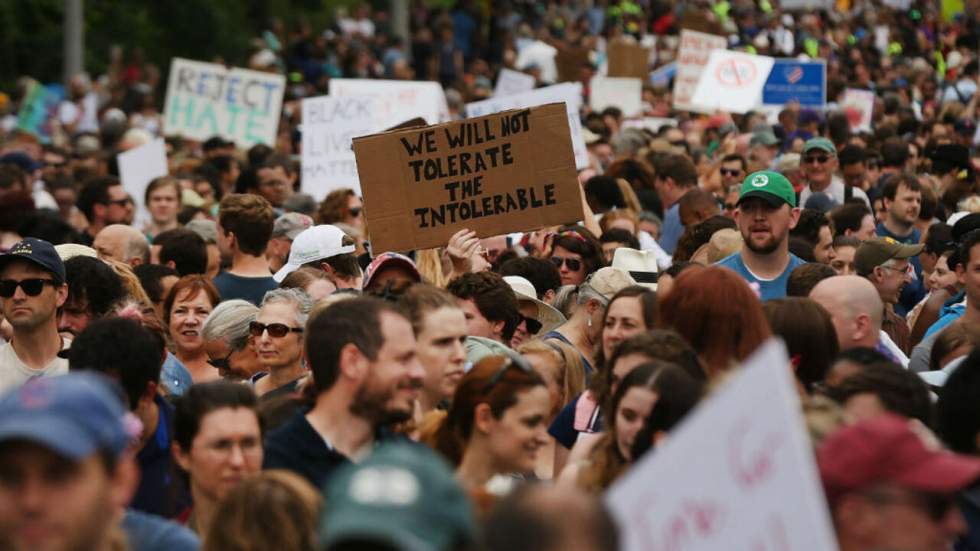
(548, 315)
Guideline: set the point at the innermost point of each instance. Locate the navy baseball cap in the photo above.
(74, 415)
(40, 252)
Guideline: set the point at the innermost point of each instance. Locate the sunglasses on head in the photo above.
(573, 264)
(276, 330)
(221, 363)
(730, 172)
(31, 287)
(509, 362)
(819, 159)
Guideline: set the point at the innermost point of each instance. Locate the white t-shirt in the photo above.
(14, 373)
(835, 191)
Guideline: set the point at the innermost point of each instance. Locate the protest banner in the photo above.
(859, 106)
(540, 55)
(653, 124)
(692, 56)
(624, 93)
(329, 124)
(139, 166)
(568, 93)
(807, 4)
(738, 473)
(400, 100)
(511, 82)
(205, 100)
(569, 62)
(505, 172)
(731, 82)
(628, 59)
(793, 80)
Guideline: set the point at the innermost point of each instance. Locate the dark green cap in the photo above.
(769, 185)
(823, 144)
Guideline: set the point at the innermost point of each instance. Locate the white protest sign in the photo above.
(624, 93)
(511, 82)
(653, 124)
(732, 82)
(692, 56)
(807, 4)
(139, 166)
(859, 106)
(205, 100)
(541, 55)
(329, 125)
(569, 93)
(401, 100)
(738, 473)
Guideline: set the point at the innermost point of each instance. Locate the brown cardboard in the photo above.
(569, 62)
(628, 59)
(526, 180)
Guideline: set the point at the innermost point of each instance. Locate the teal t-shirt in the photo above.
(768, 289)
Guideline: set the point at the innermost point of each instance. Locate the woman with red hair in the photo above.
(717, 312)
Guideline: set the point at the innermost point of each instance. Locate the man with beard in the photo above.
(366, 376)
(902, 200)
(766, 213)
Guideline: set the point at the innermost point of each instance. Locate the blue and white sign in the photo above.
(791, 79)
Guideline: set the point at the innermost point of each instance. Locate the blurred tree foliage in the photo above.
(31, 31)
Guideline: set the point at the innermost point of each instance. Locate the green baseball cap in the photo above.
(878, 250)
(769, 185)
(822, 144)
(402, 495)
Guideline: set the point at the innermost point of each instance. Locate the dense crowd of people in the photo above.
(236, 368)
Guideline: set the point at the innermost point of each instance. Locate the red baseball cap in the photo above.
(891, 449)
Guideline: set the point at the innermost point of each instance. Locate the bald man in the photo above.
(856, 310)
(123, 243)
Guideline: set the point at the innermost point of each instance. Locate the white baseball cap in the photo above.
(316, 243)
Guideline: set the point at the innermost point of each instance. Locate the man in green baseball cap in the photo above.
(765, 214)
(818, 165)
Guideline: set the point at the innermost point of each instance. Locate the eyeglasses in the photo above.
(509, 362)
(907, 270)
(730, 172)
(222, 363)
(532, 325)
(276, 330)
(121, 202)
(573, 264)
(355, 212)
(31, 287)
(819, 159)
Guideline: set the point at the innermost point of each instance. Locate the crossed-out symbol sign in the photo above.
(736, 72)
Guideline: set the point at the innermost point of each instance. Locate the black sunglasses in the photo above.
(509, 362)
(221, 363)
(532, 325)
(355, 212)
(573, 264)
(730, 171)
(31, 287)
(121, 202)
(819, 159)
(276, 330)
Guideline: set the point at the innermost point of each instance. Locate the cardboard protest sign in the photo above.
(511, 82)
(859, 106)
(400, 100)
(792, 80)
(628, 59)
(568, 93)
(506, 172)
(738, 473)
(205, 100)
(139, 166)
(624, 93)
(692, 56)
(732, 82)
(329, 124)
(569, 62)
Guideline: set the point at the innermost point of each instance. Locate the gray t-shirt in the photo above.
(14, 373)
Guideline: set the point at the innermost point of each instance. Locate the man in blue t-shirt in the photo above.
(766, 212)
(902, 196)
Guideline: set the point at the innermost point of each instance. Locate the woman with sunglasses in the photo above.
(277, 335)
(577, 254)
(495, 425)
(217, 443)
(341, 206)
(188, 304)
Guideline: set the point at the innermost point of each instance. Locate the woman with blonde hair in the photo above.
(272, 510)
